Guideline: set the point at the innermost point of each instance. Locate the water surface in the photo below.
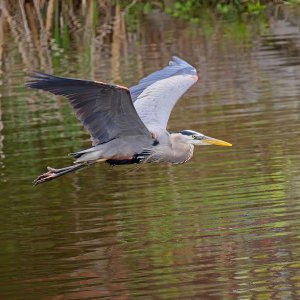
(223, 226)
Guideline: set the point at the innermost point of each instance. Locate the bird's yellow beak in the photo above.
(212, 141)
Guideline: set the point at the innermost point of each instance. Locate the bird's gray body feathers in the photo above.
(126, 125)
(123, 123)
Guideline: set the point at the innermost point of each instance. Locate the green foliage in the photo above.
(187, 10)
(252, 7)
(134, 11)
(292, 2)
(191, 10)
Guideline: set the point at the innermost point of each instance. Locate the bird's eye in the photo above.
(193, 136)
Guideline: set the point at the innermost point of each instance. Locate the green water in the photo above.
(223, 226)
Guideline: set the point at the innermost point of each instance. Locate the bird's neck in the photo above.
(181, 150)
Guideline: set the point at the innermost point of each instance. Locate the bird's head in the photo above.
(199, 139)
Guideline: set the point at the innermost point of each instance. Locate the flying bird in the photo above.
(127, 125)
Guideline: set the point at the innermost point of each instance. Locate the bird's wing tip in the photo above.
(180, 62)
(37, 75)
(37, 78)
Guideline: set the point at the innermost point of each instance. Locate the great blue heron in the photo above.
(128, 125)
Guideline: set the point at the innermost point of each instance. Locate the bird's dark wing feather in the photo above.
(105, 110)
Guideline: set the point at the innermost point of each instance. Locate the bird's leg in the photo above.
(54, 173)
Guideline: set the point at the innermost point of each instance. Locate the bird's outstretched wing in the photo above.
(155, 95)
(105, 110)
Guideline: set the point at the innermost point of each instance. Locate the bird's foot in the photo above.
(54, 173)
(51, 174)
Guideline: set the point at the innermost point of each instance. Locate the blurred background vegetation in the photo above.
(44, 29)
